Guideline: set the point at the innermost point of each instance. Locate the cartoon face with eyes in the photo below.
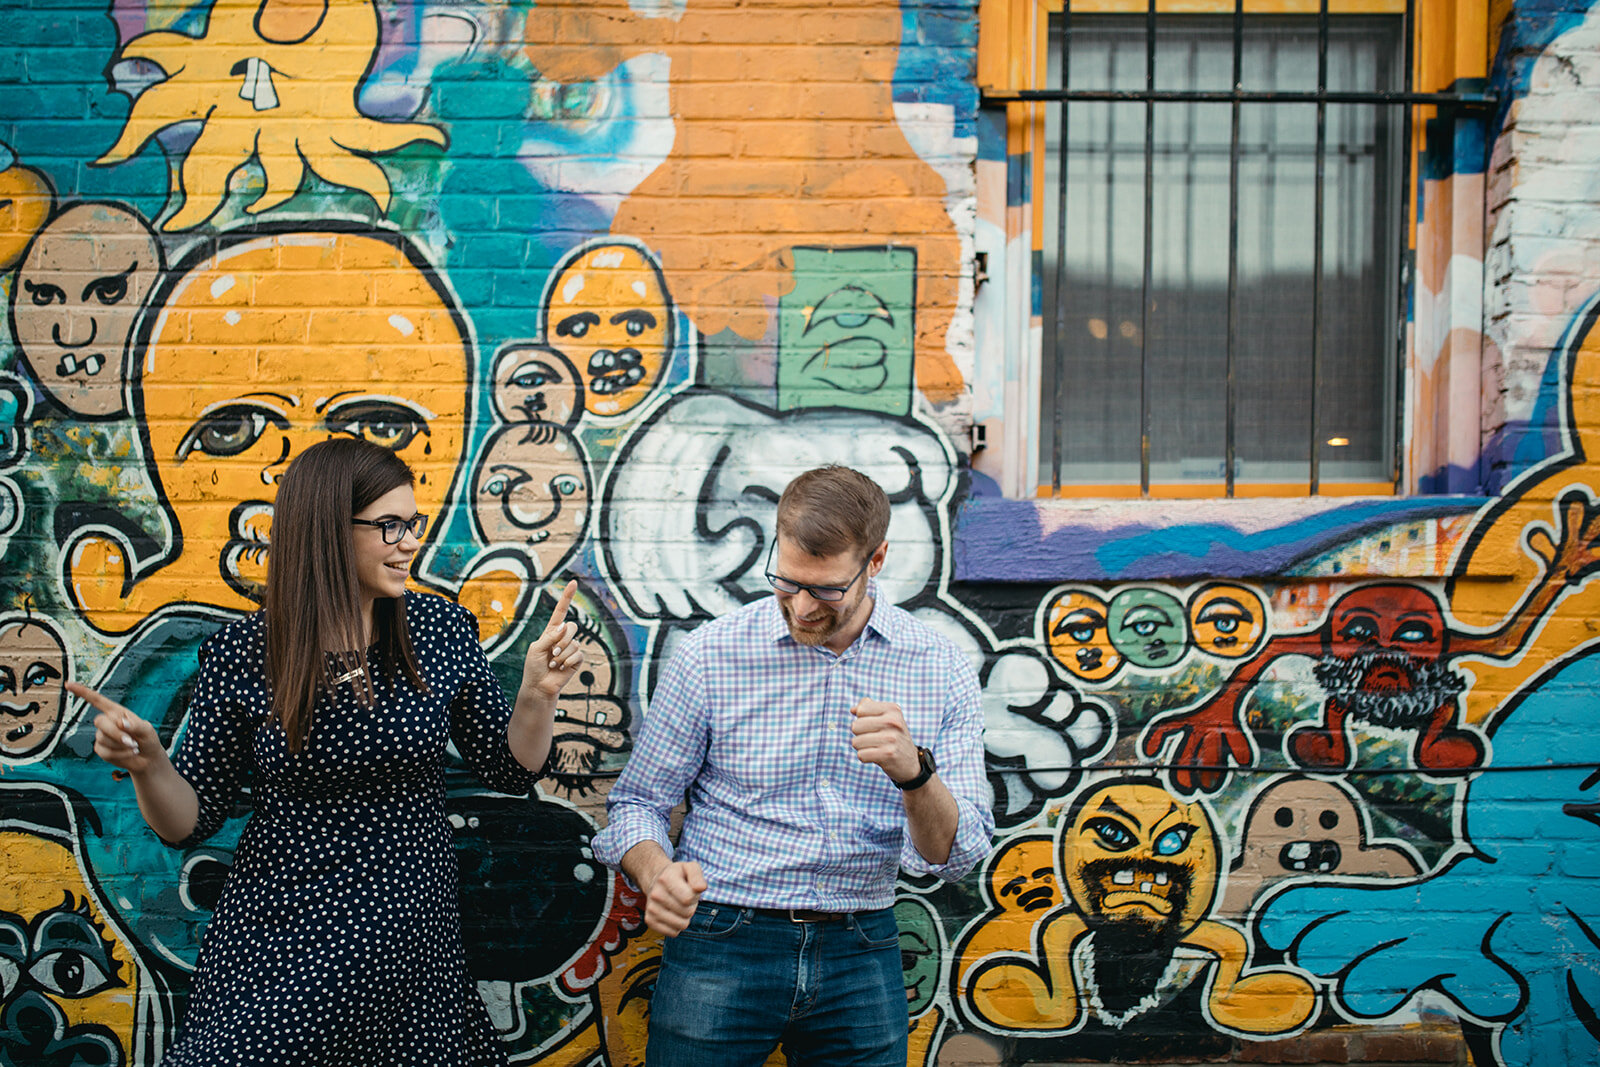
(1133, 853)
(274, 343)
(531, 489)
(1227, 620)
(592, 723)
(33, 672)
(1148, 626)
(607, 311)
(75, 300)
(921, 952)
(1075, 631)
(535, 383)
(69, 985)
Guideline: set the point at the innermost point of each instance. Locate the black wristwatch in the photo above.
(924, 761)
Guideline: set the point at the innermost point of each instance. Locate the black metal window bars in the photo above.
(1237, 96)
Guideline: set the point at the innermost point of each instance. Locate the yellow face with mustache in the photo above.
(1135, 853)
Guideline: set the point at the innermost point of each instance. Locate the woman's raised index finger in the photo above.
(563, 602)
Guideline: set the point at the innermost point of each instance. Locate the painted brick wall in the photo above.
(607, 275)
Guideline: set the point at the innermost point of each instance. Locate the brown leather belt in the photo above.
(803, 915)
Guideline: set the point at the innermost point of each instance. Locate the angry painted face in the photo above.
(1135, 855)
(75, 300)
(607, 312)
(33, 674)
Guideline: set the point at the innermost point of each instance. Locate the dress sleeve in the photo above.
(958, 750)
(668, 755)
(215, 755)
(480, 714)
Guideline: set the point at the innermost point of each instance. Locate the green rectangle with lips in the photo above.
(847, 330)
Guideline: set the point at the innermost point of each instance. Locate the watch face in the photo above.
(925, 761)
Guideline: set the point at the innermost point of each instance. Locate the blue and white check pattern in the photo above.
(756, 728)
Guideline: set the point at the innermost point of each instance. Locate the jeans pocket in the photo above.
(713, 921)
(876, 929)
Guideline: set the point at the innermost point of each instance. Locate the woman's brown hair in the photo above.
(313, 601)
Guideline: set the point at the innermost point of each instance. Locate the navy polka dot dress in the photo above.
(337, 938)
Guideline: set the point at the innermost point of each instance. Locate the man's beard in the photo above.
(838, 613)
(1432, 685)
(1132, 948)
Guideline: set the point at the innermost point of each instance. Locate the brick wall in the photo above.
(607, 275)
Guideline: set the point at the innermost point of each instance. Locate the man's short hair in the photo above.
(833, 509)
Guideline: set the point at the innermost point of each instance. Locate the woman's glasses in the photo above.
(394, 530)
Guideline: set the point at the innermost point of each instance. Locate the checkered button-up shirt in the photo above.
(756, 728)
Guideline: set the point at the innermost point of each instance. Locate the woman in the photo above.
(337, 938)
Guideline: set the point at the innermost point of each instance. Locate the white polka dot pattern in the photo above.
(337, 938)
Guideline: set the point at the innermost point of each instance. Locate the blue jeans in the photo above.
(735, 985)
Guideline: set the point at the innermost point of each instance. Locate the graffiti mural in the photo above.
(607, 276)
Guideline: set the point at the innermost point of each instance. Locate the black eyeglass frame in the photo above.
(417, 524)
(830, 594)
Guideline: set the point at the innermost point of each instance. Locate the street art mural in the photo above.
(1255, 780)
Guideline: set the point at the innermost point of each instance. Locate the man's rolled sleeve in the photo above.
(666, 758)
(958, 750)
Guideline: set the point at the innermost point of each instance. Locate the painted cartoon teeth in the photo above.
(1123, 877)
(1161, 878)
(1145, 887)
(90, 366)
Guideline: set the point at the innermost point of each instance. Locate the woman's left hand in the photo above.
(555, 657)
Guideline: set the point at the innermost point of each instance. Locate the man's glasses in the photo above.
(394, 530)
(818, 592)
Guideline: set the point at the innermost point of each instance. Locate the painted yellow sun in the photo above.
(273, 80)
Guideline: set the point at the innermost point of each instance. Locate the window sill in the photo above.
(1054, 540)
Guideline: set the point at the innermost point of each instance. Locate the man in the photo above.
(825, 739)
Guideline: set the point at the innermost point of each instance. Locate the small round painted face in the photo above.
(591, 722)
(65, 968)
(1075, 631)
(608, 314)
(33, 673)
(75, 300)
(272, 345)
(1227, 620)
(1022, 875)
(535, 383)
(531, 489)
(920, 952)
(1148, 627)
(381, 567)
(1135, 853)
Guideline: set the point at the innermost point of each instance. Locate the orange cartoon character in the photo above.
(263, 344)
(1141, 869)
(606, 310)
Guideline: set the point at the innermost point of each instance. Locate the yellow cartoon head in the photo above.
(1227, 620)
(71, 984)
(607, 311)
(1134, 854)
(267, 346)
(1075, 632)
